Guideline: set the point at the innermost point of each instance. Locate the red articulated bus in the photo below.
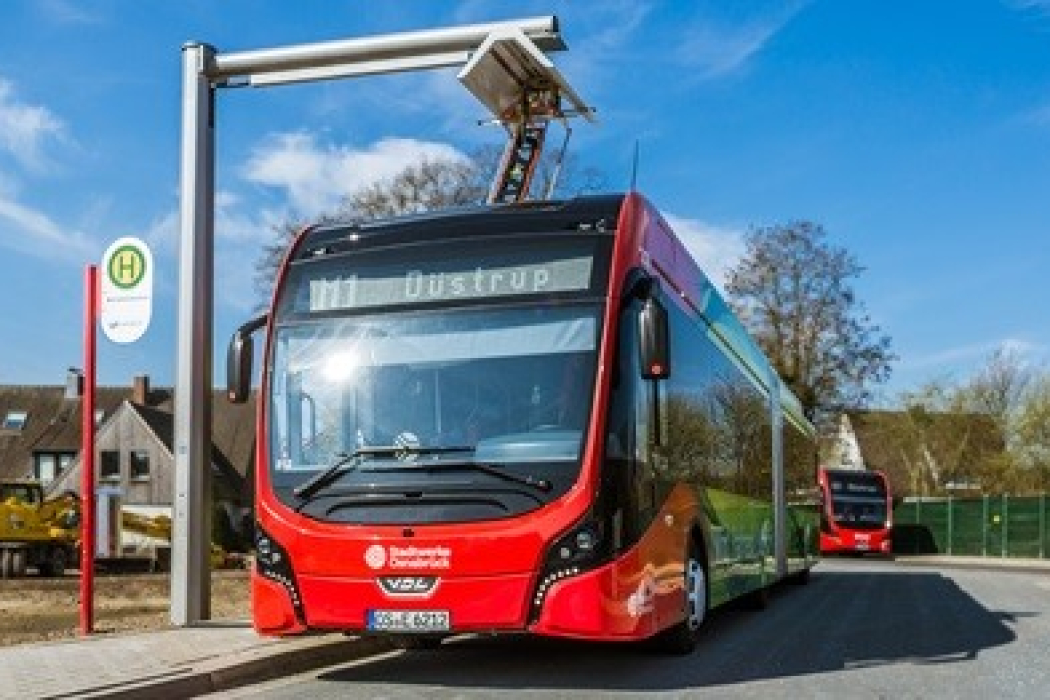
(856, 512)
(533, 417)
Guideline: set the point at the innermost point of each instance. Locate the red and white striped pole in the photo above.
(87, 456)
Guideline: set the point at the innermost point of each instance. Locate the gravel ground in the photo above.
(36, 609)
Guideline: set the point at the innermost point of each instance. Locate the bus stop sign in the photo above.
(126, 297)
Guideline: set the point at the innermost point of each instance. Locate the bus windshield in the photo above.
(477, 379)
(858, 499)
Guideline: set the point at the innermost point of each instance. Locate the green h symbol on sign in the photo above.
(127, 267)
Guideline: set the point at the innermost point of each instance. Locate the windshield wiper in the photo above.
(349, 461)
(345, 462)
(490, 469)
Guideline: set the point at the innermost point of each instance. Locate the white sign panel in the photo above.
(126, 291)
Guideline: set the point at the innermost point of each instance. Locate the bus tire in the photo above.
(681, 638)
(53, 563)
(19, 562)
(6, 563)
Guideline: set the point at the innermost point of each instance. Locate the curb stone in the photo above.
(244, 668)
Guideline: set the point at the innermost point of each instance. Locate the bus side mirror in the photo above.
(654, 340)
(239, 361)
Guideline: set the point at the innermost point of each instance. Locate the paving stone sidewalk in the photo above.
(174, 663)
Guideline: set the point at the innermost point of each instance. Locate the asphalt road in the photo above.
(859, 629)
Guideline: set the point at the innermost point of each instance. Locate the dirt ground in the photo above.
(34, 609)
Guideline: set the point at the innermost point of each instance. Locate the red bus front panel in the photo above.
(479, 583)
(843, 541)
(857, 511)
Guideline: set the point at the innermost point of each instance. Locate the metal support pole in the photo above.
(918, 510)
(950, 528)
(1043, 526)
(779, 481)
(87, 456)
(984, 525)
(191, 536)
(1006, 525)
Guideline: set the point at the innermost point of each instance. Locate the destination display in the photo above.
(856, 486)
(357, 286)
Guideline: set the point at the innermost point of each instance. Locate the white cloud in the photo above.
(25, 129)
(163, 233)
(31, 231)
(316, 176)
(976, 353)
(232, 223)
(1041, 6)
(715, 47)
(1038, 117)
(8, 185)
(240, 233)
(67, 12)
(717, 249)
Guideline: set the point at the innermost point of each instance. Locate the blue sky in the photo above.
(917, 134)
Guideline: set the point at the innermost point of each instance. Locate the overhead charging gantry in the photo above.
(504, 65)
(524, 92)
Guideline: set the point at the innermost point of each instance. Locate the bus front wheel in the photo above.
(681, 638)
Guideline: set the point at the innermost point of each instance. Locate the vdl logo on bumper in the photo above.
(411, 557)
(408, 585)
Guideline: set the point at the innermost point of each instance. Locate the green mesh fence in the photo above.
(993, 526)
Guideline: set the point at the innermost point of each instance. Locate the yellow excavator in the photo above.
(36, 531)
(154, 533)
(44, 533)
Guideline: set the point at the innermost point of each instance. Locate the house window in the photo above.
(44, 469)
(109, 465)
(139, 460)
(21, 493)
(100, 413)
(47, 466)
(15, 420)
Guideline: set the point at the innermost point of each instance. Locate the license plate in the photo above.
(409, 620)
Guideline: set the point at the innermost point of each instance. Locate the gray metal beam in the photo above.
(292, 60)
(191, 511)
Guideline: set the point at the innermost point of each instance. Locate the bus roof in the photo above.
(580, 213)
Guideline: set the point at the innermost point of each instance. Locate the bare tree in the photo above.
(425, 186)
(1014, 396)
(1032, 444)
(999, 388)
(792, 290)
(269, 260)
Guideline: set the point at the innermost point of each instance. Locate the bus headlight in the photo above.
(272, 562)
(583, 547)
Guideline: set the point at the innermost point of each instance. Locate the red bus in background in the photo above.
(537, 418)
(856, 511)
